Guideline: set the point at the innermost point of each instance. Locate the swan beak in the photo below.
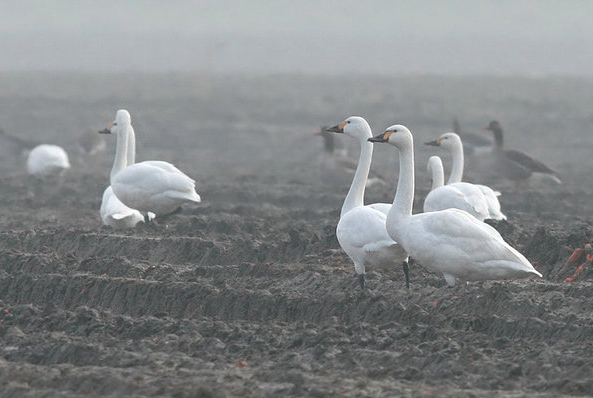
(383, 137)
(433, 143)
(338, 128)
(107, 130)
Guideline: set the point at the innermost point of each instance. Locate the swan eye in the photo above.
(115, 124)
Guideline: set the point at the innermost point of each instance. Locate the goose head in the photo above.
(447, 141)
(496, 128)
(122, 119)
(396, 135)
(354, 126)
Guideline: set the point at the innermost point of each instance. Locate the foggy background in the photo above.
(503, 37)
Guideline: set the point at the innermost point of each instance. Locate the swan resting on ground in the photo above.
(47, 161)
(117, 215)
(452, 143)
(361, 230)
(150, 186)
(450, 241)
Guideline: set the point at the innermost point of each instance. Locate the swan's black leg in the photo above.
(406, 267)
(361, 279)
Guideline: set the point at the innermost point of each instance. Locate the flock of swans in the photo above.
(449, 236)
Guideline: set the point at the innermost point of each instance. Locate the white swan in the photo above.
(443, 196)
(452, 143)
(113, 212)
(150, 186)
(361, 230)
(450, 241)
(47, 160)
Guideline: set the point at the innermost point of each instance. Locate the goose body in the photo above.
(47, 160)
(361, 230)
(450, 241)
(151, 186)
(516, 165)
(452, 143)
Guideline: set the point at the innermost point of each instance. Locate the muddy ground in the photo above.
(248, 294)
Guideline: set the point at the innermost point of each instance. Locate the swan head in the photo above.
(447, 141)
(354, 126)
(396, 135)
(122, 118)
(434, 163)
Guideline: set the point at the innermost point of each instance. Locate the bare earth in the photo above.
(248, 294)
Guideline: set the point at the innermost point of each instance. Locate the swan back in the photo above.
(47, 160)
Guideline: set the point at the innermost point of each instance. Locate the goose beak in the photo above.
(338, 128)
(433, 143)
(383, 137)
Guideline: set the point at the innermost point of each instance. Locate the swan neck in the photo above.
(131, 150)
(404, 194)
(355, 196)
(457, 165)
(438, 176)
(121, 148)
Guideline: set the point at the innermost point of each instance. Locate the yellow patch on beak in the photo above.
(110, 127)
(387, 135)
(342, 125)
(439, 140)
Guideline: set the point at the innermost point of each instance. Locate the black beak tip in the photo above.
(432, 143)
(105, 131)
(335, 129)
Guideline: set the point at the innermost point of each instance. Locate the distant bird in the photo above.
(91, 143)
(452, 143)
(473, 144)
(334, 164)
(361, 230)
(150, 186)
(47, 161)
(450, 241)
(516, 165)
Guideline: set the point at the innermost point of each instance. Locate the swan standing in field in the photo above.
(361, 230)
(452, 143)
(450, 241)
(47, 161)
(516, 165)
(150, 186)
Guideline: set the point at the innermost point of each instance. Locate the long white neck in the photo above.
(404, 194)
(355, 196)
(457, 166)
(121, 149)
(437, 173)
(131, 152)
